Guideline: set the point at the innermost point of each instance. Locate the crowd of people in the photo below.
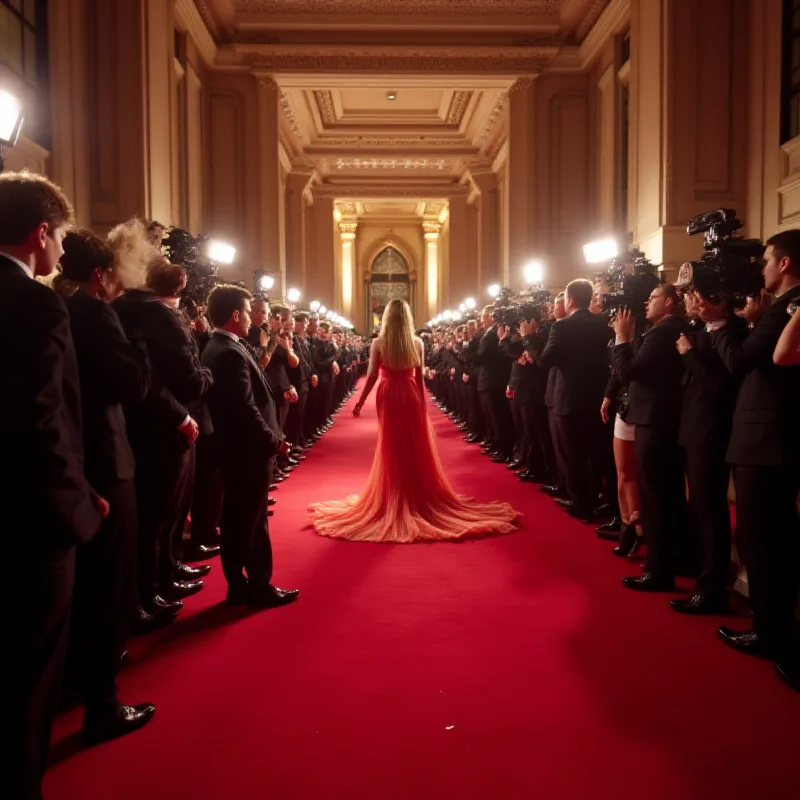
(636, 422)
(136, 440)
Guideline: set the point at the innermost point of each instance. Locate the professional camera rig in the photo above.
(628, 288)
(731, 267)
(511, 308)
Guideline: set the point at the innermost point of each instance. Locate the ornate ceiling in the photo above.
(449, 65)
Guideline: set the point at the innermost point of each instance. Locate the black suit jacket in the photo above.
(246, 430)
(653, 374)
(42, 486)
(300, 376)
(112, 371)
(766, 421)
(577, 350)
(493, 366)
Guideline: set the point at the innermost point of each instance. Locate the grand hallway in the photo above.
(516, 667)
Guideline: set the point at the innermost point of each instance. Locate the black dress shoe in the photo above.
(159, 603)
(748, 642)
(579, 512)
(271, 501)
(790, 675)
(270, 513)
(552, 491)
(184, 571)
(516, 464)
(564, 502)
(271, 597)
(606, 510)
(183, 588)
(499, 458)
(472, 439)
(273, 487)
(647, 582)
(700, 603)
(610, 530)
(100, 727)
(145, 621)
(201, 552)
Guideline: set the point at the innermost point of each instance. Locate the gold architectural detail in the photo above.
(303, 163)
(439, 164)
(479, 164)
(368, 190)
(348, 228)
(209, 19)
(497, 112)
(366, 142)
(458, 106)
(492, 8)
(519, 85)
(348, 209)
(325, 105)
(288, 112)
(592, 15)
(293, 58)
(496, 148)
(431, 228)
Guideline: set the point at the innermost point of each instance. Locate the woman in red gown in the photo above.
(407, 497)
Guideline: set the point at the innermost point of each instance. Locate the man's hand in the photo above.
(509, 393)
(263, 339)
(684, 344)
(335, 368)
(291, 394)
(314, 380)
(606, 404)
(527, 328)
(100, 504)
(285, 340)
(625, 325)
(523, 360)
(502, 332)
(190, 430)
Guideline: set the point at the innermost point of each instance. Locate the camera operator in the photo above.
(766, 463)
(653, 374)
(709, 395)
(493, 373)
(576, 351)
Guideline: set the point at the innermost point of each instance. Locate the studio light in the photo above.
(266, 282)
(534, 272)
(457, 316)
(494, 290)
(293, 295)
(221, 252)
(600, 251)
(463, 308)
(323, 311)
(11, 118)
(470, 303)
(448, 315)
(314, 306)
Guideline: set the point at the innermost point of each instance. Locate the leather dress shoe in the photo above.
(271, 501)
(647, 582)
(278, 479)
(100, 727)
(270, 596)
(201, 552)
(610, 530)
(472, 439)
(606, 510)
(748, 642)
(499, 458)
(564, 502)
(700, 603)
(185, 572)
(184, 588)
(273, 487)
(270, 513)
(145, 621)
(552, 491)
(172, 606)
(790, 675)
(515, 464)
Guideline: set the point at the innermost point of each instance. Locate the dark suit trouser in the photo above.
(558, 451)
(207, 494)
(294, 422)
(497, 417)
(104, 599)
(521, 414)
(35, 635)
(708, 476)
(175, 551)
(768, 536)
(541, 457)
(582, 445)
(662, 498)
(311, 412)
(283, 414)
(244, 525)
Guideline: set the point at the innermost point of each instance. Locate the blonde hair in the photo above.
(398, 346)
(134, 253)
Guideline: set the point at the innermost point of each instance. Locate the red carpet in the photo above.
(515, 667)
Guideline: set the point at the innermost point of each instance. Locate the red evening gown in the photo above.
(408, 497)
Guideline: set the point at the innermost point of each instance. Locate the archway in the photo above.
(389, 278)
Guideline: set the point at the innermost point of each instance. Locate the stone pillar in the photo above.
(296, 265)
(321, 247)
(463, 261)
(347, 236)
(273, 240)
(432, 267)
(489, 267)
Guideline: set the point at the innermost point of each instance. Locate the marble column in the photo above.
(490, 269)
(321, 251)
(296, 263)
(463, 261)
(432, 231)
(347, 237)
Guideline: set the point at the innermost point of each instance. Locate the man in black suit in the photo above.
(577, 349)
(246, 440)
(47, 502)
(766, 465)
(654, 376)
(303, 378)
(324, 359)
(112, 372)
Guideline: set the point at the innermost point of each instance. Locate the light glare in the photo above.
(221, 252)
(494, 290)
(10, 118)
(470, 303)
(534, 272)
(600, 251)
(293, 295)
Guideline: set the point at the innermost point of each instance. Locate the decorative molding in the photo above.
(188, 14)
(303, 163)
(392, 191)
(324, 101)
(613, 17)
(348, 209)
(431, 228)
(458, 107)
(348, 228)
(497, 112)
(520, 85)
(589, 19)
(288, 112)
(497, 147)
(456, 8)
(412, 142)
(478, 164)
(209, 19)
(439, 164)
(395, 58)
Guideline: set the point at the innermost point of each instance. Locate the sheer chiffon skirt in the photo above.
(407, 497)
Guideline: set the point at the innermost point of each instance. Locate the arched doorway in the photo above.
(390, 278)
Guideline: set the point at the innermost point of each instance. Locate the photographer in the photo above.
(766, 464)
(477, 426)
(653, 374)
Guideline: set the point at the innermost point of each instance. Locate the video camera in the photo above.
(511, 308)
(628, 289)
(731, 267)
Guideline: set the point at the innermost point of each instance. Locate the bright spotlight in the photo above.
(221, 252)
(293, 295)
(314, 306)
(323, 311)
(601, 251)
(462, 308)
(266, 282)
(534, 272)
(470, 303)
(494, 290)
(457, 316)
(11, 119)
(448, 315)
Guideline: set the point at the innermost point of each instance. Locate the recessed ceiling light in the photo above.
(391, 96)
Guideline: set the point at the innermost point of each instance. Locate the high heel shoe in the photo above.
(629, 543)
